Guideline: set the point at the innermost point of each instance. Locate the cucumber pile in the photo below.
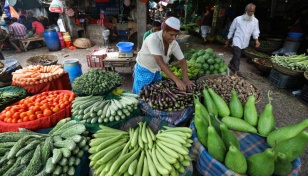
(29, 153)
(95, 109)
(139, 151)
(96, 82)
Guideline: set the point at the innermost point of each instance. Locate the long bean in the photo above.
(295, 62)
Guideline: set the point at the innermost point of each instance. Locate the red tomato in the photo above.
(19, 120)
(47, 112)
(39, 116)
(9, 120)
(16, 115)
(23, 115)
(25, 119)
(36, 108)
(30, 112)
(8, 114)
(38, 112)
(14, 121)
(2, 116)
(62, 106)
(32, 117)
(55, 109)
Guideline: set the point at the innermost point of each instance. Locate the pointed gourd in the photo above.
(293, 147)
(228, 137)
(235, 105)
(266, 122)
(250, 111)
(282, 165)
(222, 107)
(235, 160)
(261, 164)
(286, 132)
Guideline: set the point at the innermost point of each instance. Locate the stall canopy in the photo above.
(25, 4)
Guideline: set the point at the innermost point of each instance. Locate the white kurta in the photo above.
(242, 30)
(154, 45)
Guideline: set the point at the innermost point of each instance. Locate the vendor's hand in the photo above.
(181, 85)
(189, 84)
(257, 43)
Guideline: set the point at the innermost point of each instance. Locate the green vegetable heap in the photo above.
(57, 153)
(201, 62)
(295, 62)
(96, 82)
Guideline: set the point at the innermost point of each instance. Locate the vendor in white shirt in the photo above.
(155, 55)
(241, 29)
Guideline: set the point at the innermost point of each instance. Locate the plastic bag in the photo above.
(56, 6)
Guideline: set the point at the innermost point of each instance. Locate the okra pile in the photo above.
(166, 96)
(29, 153)
(139, 151)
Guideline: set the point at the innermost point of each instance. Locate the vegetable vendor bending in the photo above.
(154, 57)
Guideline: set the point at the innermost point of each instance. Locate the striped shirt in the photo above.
(18, 30)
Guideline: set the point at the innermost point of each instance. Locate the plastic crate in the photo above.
(284, 81)
(304, 94)
(95, 61)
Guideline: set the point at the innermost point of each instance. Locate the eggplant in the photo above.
(159, 100)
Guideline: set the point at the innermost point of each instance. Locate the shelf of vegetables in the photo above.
(232, 138)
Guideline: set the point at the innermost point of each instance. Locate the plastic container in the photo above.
(66, 36)
(73, 67)
(125, 46)
(284, 81)
(61, 40)
(52, 40)
(295, 35)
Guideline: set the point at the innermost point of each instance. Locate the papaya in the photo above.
(286, 132)
(235, 160)
(250, 111)
(222, 107)
(235, 105)
(261, 164)
(266, 122)
(293, 147)
(228, 137)
(282, 165)
(215, 144)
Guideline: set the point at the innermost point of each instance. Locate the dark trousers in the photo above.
(236, 59)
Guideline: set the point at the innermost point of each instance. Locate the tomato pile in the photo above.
(37, 106)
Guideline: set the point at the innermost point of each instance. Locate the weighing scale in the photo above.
(125, 54)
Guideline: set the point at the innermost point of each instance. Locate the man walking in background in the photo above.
(241, 29)
(206, 23)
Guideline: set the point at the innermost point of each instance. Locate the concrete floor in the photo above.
(287, 108)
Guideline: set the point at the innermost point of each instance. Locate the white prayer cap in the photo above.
(173, 23)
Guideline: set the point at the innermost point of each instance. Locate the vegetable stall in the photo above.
(95, 127)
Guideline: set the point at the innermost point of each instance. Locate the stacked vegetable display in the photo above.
(208, 62)
(10, 94)
(200, 62)
(287, 143)
(166, 96)
(97, 109)
(224, 84)
(56, 153)
(139, 151)
(295, 62)
(37, 74)
(36, 106)
(96, 82)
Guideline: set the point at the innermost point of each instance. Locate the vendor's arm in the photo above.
(164, 67)
(185, 79)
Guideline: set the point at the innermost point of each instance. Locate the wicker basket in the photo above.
(263, 65)
(202, 79)
(288, 71)
(249, 53)
(42, 60)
